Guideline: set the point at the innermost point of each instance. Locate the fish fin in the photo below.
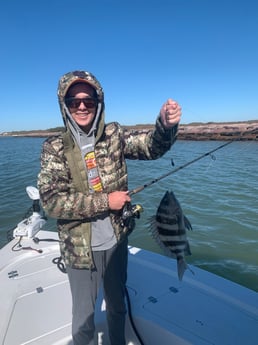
(188, 225)
(152, 226)
(187, 249)
(182, 267)
(151, 220)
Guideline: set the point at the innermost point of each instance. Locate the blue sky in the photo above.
(202, 53)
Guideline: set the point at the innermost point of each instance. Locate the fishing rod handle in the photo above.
(136, 190)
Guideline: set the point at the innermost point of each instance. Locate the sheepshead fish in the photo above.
(168, 228)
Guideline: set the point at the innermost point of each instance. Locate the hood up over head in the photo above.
(65, 82)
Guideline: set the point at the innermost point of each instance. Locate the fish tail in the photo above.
(181, 268)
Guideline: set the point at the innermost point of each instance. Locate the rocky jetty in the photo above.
(219, 131)
(195, 131)
(214, 131)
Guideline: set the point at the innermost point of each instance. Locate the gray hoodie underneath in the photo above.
(103, 235)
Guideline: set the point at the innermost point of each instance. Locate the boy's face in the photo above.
(84, 111)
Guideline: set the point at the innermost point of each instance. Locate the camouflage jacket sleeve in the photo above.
(58, 195)
(149, 144)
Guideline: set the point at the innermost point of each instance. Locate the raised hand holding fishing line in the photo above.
(170, 113)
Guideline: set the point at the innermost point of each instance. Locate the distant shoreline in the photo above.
(244, 130)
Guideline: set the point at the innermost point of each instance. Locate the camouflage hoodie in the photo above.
(63, 181)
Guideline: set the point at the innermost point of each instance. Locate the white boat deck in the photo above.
(202, 309)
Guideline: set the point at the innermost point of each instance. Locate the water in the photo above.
(218, 194)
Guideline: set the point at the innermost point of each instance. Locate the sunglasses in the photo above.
(73, 102)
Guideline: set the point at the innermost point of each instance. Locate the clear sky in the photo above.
(202, 53)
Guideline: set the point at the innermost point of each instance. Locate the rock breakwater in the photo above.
(195, 131)
(219, 131)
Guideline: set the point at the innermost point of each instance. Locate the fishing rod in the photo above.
(140, 188)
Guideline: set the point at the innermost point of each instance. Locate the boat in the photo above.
(36, 307)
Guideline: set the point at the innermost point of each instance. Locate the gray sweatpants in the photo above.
(111, 269)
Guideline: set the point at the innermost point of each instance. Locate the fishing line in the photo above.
(244, 147)
(140, 188)
(212, 160)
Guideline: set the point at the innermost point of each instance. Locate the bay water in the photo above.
(218, 194)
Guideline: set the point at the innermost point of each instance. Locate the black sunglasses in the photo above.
(73, 102)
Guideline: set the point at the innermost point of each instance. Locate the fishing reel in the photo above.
(129, 213)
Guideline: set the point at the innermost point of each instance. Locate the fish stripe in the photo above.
(165, 227)
(167, 232)
(174, 239)
(175, 243)
(167, 220)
